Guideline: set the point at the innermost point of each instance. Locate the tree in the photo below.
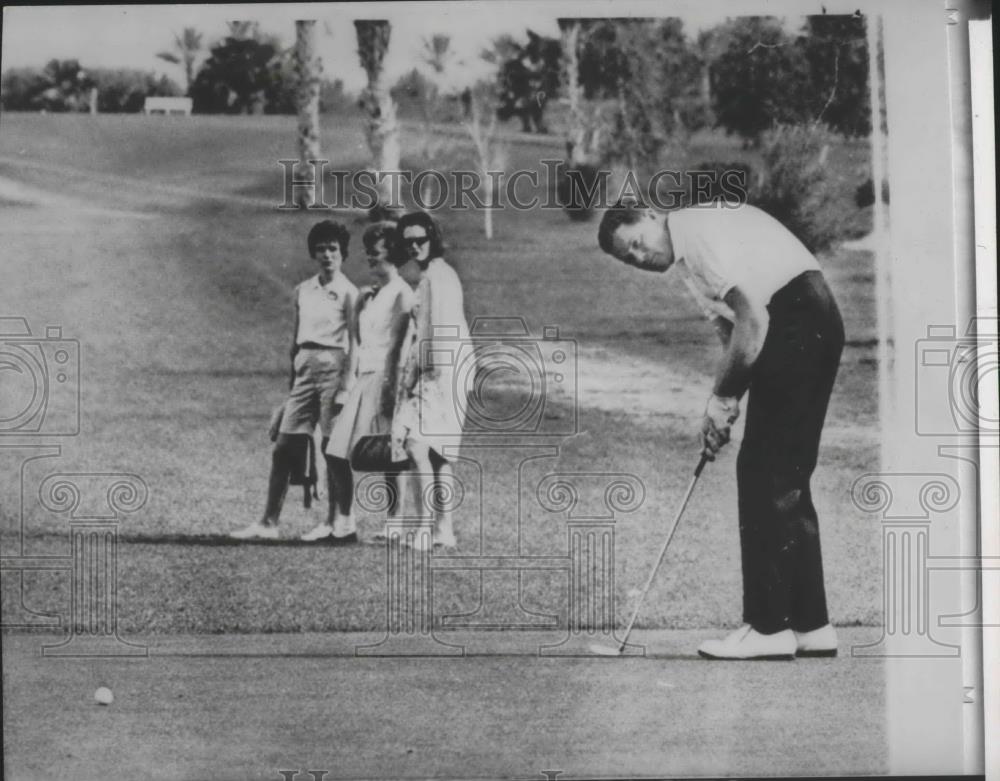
(308, 69)
(437, 104)
(437, 53)
(187, 48)
(124, 90)
(382, 130)
(583, 132)
(240, 75)
(760, 78)
(64, 86)
(647, 68)
(836, 52)
(490, 154)
(19, 86)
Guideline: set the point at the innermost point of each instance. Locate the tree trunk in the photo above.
(308, 68)
(489, 156)
(382, 130)
(706, 91)
(577, 131)
(582, 136)
(188, 72)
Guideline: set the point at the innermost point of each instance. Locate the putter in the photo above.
(604, 650)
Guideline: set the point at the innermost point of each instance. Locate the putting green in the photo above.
(247, 707)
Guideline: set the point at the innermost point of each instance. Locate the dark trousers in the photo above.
(790, 388)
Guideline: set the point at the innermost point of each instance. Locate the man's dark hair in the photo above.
(426, 222)
(385, 231)
(326, 231)
(622, 213)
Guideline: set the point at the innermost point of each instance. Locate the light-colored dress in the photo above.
(383, 320)
(439, 367)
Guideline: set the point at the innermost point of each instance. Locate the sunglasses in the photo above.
(416, 241)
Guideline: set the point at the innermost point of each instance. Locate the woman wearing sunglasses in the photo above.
(430, 411)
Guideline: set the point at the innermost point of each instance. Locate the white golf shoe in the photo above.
(818, 642)
(320, 532)
(747, 643)
(444, 538)
(256, 531)
(419, 539)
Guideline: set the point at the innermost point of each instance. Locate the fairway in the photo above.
(156, 244)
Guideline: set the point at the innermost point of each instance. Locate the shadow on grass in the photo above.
(217, 540)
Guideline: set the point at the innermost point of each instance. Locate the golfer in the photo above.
(324, 317)
(782, 336)
(430, 409)
(383, 320)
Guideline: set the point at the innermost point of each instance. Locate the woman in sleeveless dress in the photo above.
(383, 322)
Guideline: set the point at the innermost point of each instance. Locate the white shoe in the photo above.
(321, 532)
(256, 531)
(419, 539)
(344, 526)
(747, 643)
(444, 539)
(819, 642)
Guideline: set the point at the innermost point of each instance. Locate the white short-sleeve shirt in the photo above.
(324, 311)
(718, 248)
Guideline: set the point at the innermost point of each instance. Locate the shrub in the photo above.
(730, 181)
(796, 187)
(124, 90)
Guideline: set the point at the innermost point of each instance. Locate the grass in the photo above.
(211, 707)
(184, 323)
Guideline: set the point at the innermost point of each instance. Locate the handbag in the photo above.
(373, 453)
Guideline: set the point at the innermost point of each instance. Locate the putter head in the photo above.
(604, 650)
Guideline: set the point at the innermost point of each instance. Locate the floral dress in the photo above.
(438, 367)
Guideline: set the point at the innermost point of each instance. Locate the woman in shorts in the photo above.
(321, 354)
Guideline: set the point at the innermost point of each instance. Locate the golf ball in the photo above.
(103, 696)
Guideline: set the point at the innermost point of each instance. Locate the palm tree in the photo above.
(436, 147)
(187, 47)
(382, 131)
(583, 135)
(308, 68)
(437, 53)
